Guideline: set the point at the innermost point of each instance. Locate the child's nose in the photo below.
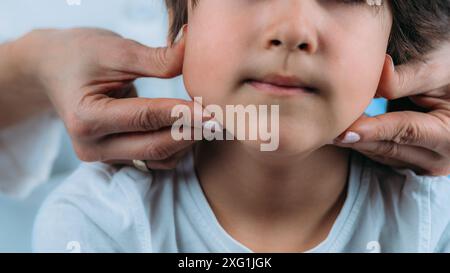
(302, 46)
(292, 30)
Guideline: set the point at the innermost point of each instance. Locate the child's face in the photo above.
(334, 47)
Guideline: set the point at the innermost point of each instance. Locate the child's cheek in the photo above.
(207, 68)
(355, 58)
(356, 86)
(197, 70)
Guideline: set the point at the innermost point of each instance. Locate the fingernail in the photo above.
(180, 34)
(351, 138)
(392, 62)
(212, 126)
(374, 2)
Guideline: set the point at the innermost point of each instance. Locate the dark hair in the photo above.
(178, 9)
(418, 27)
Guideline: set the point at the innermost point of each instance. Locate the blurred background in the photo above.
(142, 20)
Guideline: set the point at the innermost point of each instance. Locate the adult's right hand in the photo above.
(88, 75)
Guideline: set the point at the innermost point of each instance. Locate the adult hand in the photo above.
(410, 139)
(88, 75)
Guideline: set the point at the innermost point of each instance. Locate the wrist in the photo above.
(25, 64)
(21, 93)
(24, 59)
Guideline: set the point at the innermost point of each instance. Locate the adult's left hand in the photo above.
(409, 139)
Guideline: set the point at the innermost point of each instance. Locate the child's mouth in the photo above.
(281, 85)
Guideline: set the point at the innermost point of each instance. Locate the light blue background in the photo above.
(142, 20)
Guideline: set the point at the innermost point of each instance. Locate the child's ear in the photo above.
(387, 74)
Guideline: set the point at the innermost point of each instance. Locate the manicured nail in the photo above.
(180, 34)
(351, 138)
(392, 62)
(212, 126)
(374, 2)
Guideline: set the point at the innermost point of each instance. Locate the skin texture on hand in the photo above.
(88, 76)
(19, 99)
(410, 139)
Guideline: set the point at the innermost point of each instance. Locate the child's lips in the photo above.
(280, 88)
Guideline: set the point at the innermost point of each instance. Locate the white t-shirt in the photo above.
(104, 209)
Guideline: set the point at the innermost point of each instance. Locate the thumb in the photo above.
(406, 80)
(161, 62)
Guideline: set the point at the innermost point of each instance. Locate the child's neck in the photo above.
(270, 202)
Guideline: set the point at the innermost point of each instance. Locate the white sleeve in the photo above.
(27, 153)
(94, 210)
(62, 227)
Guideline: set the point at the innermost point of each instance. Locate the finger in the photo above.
(441, 93)
(127, 91)
(404, 155)
(155, 146)
(105, 116)
(161, 62)
(432, 103)
(169, 163)
(166, 164)
(392, 162)
(405, 80)
(397, 164)
(406, 128)
(415, 77)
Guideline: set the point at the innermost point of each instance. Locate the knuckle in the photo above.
(160, 61)
(380, 133)
(409, 133)
(387, 150)
(146, 119)
(78, 127)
